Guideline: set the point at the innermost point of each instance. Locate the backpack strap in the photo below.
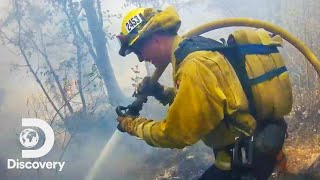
(232, 53)
(235, 54)
(196, 43)
(268, 75)
(247, 49)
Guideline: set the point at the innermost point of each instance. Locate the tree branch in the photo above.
(55, 76)
(100, 16)
(76, 43)
(75, 95)
(29, 65)
(74, 19)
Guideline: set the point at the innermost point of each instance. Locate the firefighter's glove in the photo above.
(130, 125)
(148, 87)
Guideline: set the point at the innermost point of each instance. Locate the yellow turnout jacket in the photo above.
(207, 91)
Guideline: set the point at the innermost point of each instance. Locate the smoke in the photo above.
(2, 98)
(124, 158)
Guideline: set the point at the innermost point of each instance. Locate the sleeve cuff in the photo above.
(146, 133)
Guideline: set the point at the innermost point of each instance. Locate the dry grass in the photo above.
(302, 153)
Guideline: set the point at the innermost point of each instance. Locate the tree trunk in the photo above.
(84, 106)
(76, 43)
(55, 76)
(102, 58)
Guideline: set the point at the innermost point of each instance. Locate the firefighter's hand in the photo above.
(130, 125)
(126, 124)
(148, 87)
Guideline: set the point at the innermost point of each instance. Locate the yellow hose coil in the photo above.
(259, 24)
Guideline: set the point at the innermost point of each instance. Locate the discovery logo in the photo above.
(30, 138)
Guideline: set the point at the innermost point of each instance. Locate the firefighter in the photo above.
(208, 101)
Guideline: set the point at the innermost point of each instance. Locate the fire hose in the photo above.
(133, 110)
